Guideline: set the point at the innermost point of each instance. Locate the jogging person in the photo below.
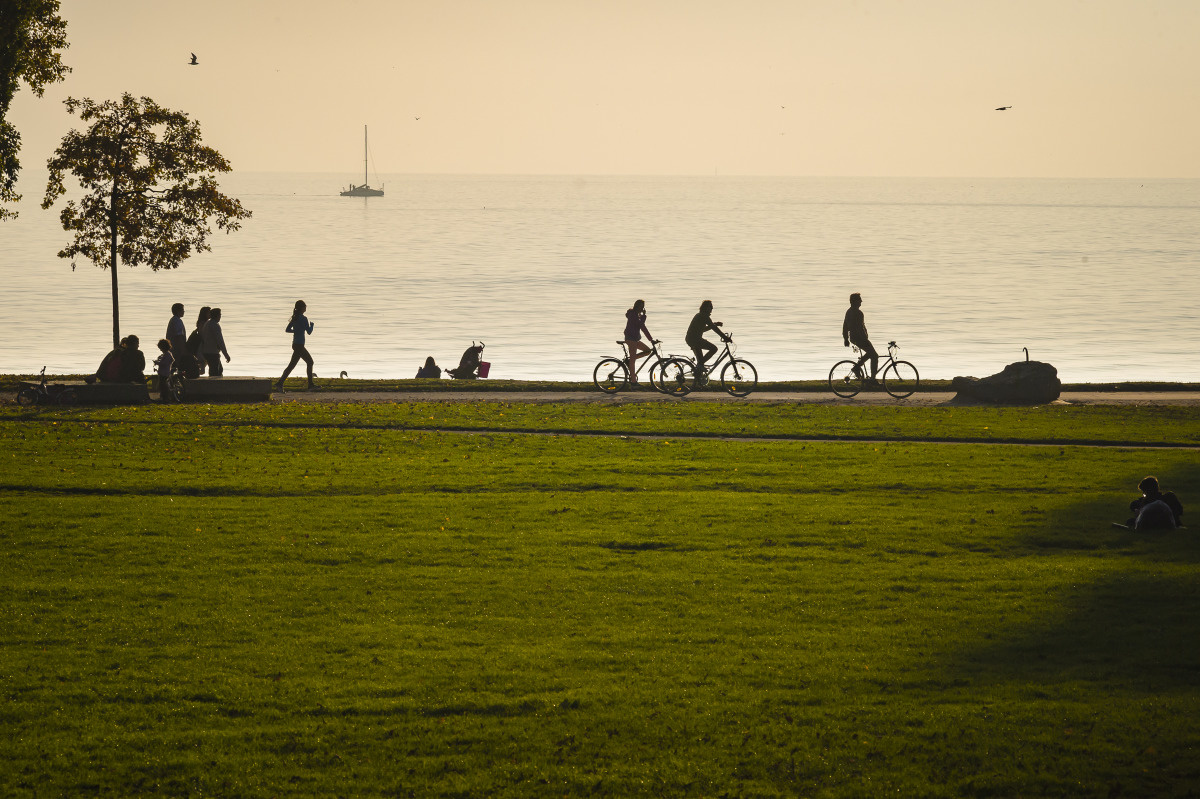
(299, 326)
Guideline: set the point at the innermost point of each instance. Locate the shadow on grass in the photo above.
(639, 546)
(1136, 629)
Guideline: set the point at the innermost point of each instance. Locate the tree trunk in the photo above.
(112, 265)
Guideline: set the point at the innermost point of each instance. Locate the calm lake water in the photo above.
(1097, 277)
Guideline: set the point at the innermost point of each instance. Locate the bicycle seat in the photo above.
(891, 343)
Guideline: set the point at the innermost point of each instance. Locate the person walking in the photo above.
(299, 327)
(854, 331)
(212, 344)
(195, 342)
(635, 325)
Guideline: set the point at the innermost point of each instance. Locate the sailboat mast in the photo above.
(364, 155)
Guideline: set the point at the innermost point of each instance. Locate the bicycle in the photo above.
(738, 376)
(612, 374)
(899, 378)
(40, 394)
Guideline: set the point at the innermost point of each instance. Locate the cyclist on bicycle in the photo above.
(702, 347)
(635, 325)
(854, 330)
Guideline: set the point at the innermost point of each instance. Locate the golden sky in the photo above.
(1098, 88)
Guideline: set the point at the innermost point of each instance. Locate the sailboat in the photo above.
(364, 190)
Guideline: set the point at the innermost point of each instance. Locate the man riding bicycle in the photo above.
(854, 330)
(702, 347)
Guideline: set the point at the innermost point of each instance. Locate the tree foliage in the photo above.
(150, 196)
(31, 36)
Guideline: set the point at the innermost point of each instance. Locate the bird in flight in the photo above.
(194, 62)
(1004, 108)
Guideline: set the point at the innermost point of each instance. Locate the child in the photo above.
(1154, 510)
(165, 361)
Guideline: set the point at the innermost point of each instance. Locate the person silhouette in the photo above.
(430, 369)
(701, 347)
(854, 331)
(635, 325)
(212, 344)
(1154, 509)
(181, 359)
(298, 326)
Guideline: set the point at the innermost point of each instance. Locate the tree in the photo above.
(150, 196)
(31, 36)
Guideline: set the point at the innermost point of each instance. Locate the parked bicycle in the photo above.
(612, 374)
(898, 378)
(39, 393)
(738, 376)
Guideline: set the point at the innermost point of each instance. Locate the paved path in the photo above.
(764, 397)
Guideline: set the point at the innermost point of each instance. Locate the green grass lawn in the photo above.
(323, 600)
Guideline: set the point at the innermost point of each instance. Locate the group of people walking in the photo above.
(191, 355)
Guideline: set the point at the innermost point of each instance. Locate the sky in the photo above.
(1098, 88)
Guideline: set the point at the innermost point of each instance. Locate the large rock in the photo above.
(1021, 383)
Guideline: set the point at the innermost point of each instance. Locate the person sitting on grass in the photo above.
(163, 363)
(1154, 510)
(430, 369)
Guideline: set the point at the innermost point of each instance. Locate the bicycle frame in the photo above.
(645, 359)
(711, 364)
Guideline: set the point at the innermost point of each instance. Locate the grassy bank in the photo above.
(1044, 424)
(9, 384)
(301, 600)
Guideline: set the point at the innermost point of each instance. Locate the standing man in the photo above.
(854, 330)
(177, 336)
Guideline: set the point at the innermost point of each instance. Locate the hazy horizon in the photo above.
(803, 88)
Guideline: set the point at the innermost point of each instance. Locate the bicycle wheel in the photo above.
(900, 379)
(68, 396)
(676, 377)
(845, 379)
(611, 375)
(175, 387)
(654, 374)
(739, 377)
(26, 397)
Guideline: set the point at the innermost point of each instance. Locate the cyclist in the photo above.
(702, 347)
(635, 325)
(854, 330)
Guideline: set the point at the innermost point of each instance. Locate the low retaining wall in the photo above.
(226, 389)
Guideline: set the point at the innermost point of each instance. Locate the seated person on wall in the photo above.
(430, 369)
(125, 364)
(1154, 510)
(133, 364)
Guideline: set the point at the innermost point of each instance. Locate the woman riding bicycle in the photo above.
(635, 325)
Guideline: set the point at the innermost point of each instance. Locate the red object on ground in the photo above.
(484, 368)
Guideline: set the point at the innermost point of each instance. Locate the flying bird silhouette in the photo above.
(194, 62)
(1004, 108)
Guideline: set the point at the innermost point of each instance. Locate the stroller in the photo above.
(470, 366)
